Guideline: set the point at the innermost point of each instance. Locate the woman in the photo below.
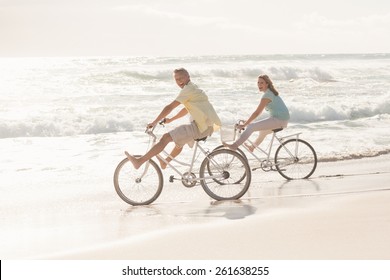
(279, 115)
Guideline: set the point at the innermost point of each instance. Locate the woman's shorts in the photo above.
(187, 133)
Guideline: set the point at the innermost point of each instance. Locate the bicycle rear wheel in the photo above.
(295, 159)
(225, 174)
(138, 187)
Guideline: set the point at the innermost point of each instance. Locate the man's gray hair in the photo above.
(181, 70)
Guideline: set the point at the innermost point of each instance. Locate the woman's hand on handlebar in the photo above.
(240, 125)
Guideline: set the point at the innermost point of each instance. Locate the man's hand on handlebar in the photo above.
(165, 121)
(152, 125)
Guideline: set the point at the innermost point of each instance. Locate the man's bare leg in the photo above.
(155, 150)
(175, 152)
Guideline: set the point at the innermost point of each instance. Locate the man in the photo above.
(204, 120)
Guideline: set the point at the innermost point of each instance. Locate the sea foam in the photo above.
(337, 101)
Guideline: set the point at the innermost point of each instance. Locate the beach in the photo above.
(340, 213)
(81, 80)
(61, 144)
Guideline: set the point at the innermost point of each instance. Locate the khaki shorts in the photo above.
(187, 133)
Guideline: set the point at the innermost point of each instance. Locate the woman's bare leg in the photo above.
(259, 140)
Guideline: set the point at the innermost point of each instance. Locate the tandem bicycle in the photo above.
(223, 174)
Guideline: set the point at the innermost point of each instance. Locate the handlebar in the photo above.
(239, 122)
(149, 129)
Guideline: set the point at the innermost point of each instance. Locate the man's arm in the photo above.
(179, 115)
(165, 112)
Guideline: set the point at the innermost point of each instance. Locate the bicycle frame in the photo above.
(268, 150)
(186, 175)
(223, 175)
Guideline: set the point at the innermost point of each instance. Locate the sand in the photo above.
(342, 212)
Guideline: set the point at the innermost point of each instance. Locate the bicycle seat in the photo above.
(201, 139)
(277, 129)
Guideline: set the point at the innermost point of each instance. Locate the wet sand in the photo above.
(342, 212)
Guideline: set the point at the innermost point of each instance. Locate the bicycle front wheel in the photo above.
(138, 187)
(225, 174)
(295, 159)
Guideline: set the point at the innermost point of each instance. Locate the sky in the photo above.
(197, 27)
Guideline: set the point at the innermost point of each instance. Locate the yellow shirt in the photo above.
(197, 104)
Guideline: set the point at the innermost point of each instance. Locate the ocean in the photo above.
(68, 120)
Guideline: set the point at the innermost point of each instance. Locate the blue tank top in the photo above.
(276, 107)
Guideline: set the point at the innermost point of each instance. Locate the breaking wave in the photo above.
(324, 112)
(39, 127)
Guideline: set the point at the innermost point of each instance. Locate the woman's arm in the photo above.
(263, 103)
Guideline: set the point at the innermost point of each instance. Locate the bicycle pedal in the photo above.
(171, 178)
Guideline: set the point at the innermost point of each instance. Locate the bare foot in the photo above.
(249, 147)
(162, 163)
(133, 160)
(231, 147)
